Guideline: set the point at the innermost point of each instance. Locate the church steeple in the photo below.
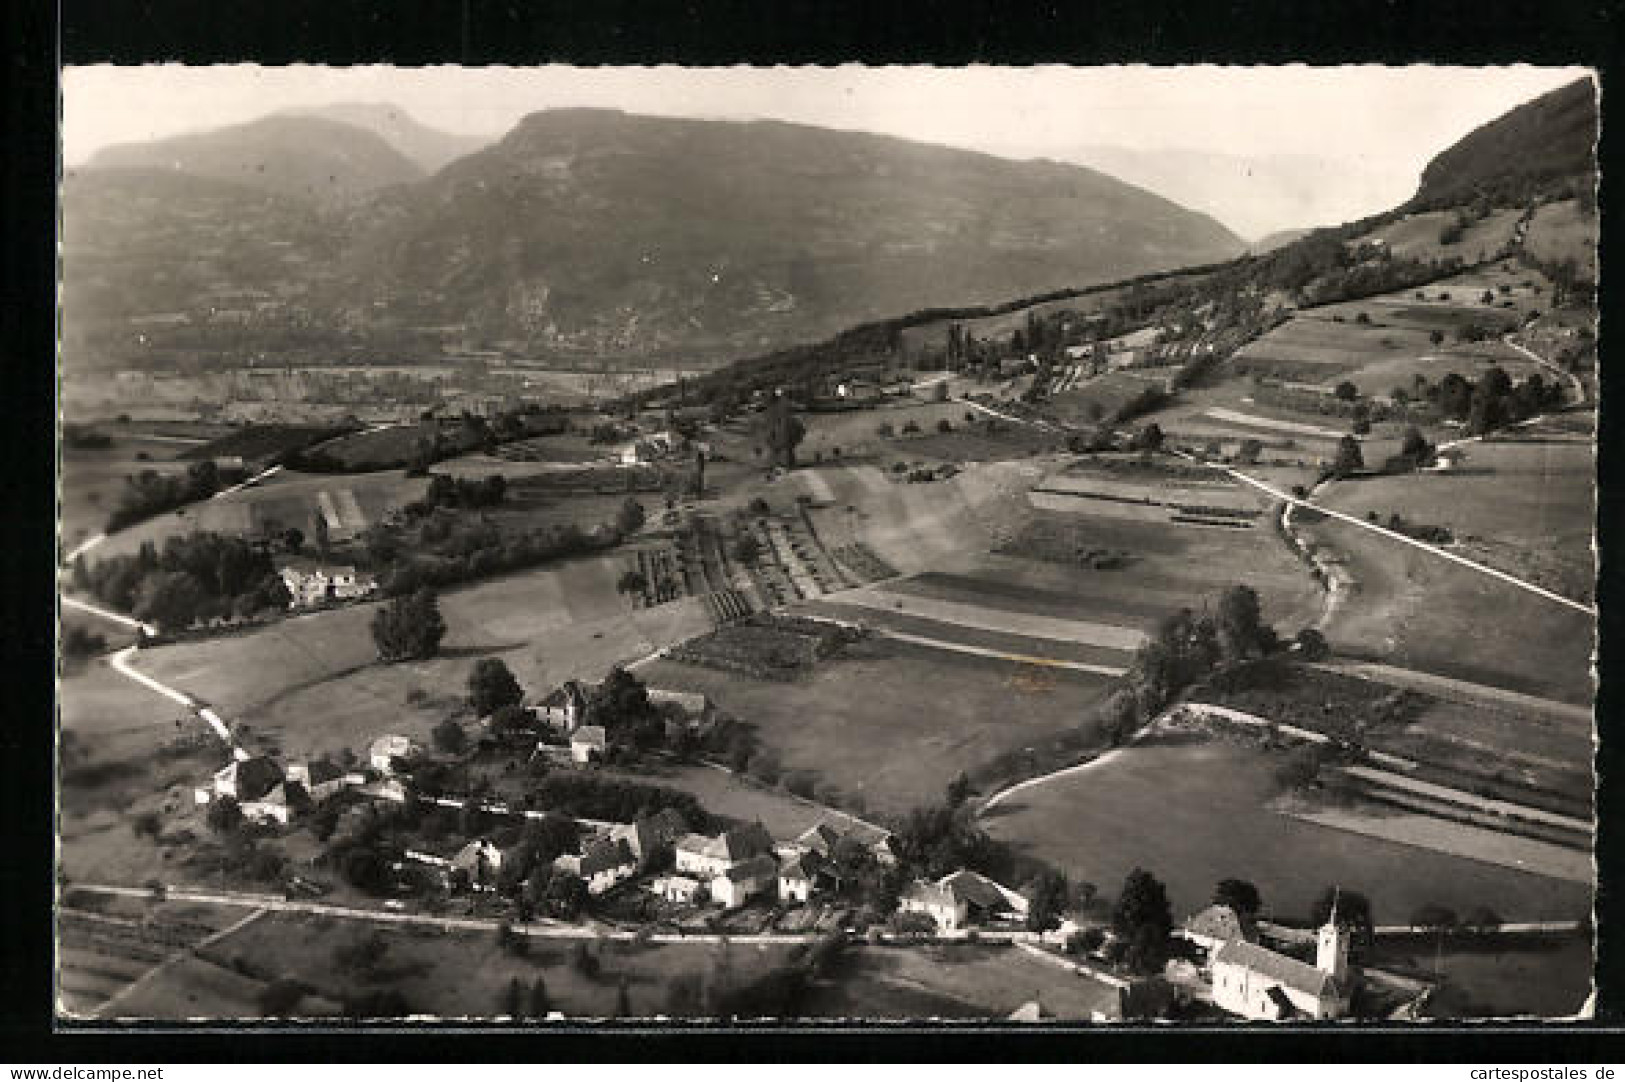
(1332, 945)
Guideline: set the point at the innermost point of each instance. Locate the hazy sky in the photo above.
(1381, 120)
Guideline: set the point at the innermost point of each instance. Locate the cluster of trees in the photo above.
(409, 628)
(475, 550)
(596, 796)
(460, 492)
(1184, 648)
(150, 493)
(1493, 401)
(192, 579)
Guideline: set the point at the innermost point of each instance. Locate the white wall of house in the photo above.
(794, 890)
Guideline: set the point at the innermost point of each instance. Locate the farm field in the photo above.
(1416, 236)
(1194, 811)
(1525, 506)
(1409, 608)
(726, 794)
(958, 982)
(1094, 399)
(313, 683)
(854, 433)
(92, 479)
(864, 722)
(1105, 637)
(1501, 976)
(262, 443)
(349, 503)
(1559, 232)
(465, 974)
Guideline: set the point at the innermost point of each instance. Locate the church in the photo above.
(1256, 982)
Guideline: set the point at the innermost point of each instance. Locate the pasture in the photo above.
(893, 723)
(1416, 236)
(1413, 609)
(855, 432)
(954, 982)
(347, 503)
(1525, 506)
(1499, 976)
(1560, 232)
(1193, 811)
(91, 479)
(313, 683)
(465, 974)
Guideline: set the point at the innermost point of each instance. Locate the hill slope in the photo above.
(312, 158)
(600, 231)
(1548, 139)
(430, 148)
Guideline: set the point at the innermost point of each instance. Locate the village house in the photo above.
(248, 779)
(739, 883)
(588, 744)
(565, 707)
(820, 838)
(605, 864)
(964, 898)
(676, 888)
(797, 876)
(706, 858)
(314, 586)
(278, 804)
(481, 860)
(321, 779)
(386, 750)
(1215, 926)
(1255, 982)
(648, 836)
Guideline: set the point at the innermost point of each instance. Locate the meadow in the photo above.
(1194, 811)
(892, 723)
(1416, 236)
(1559, 232)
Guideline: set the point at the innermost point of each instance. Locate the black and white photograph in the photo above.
(1068, 545)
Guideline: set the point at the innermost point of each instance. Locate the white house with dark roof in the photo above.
(482, 860)
(706, 858)
(647, 836)
(797, 877)
(1215, 926)
(278, 804)
(248, 779)
(739, 883)
(963, 898)
(1256, 982)
(386, 749)
(565, 707)
(606, 863)
(588, 744)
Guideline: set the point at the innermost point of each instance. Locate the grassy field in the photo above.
(92, 479)
(1416, 236)
(349, 503)
(1193, 811)
(1523, 506)
(466, 975)
(313, 683)
(1499, 977)
(854, 432)
(867, 723)
(954, 983)
(1415, 610)
(1558, 231)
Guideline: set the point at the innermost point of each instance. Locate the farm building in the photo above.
(315, 586)
(248, 779)
(588, 743)
(1217, 925)
(647, 836)
(796, 877)
(565, 706)
(321, 779)
(739, 883)
(386, 750)
(481, 860)
(606, 863)
(277, 805)
(1256, 982)
(962, 898)
(676, 888)
(709, 857)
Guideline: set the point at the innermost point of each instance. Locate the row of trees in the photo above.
(149, 493)
(192, 579)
